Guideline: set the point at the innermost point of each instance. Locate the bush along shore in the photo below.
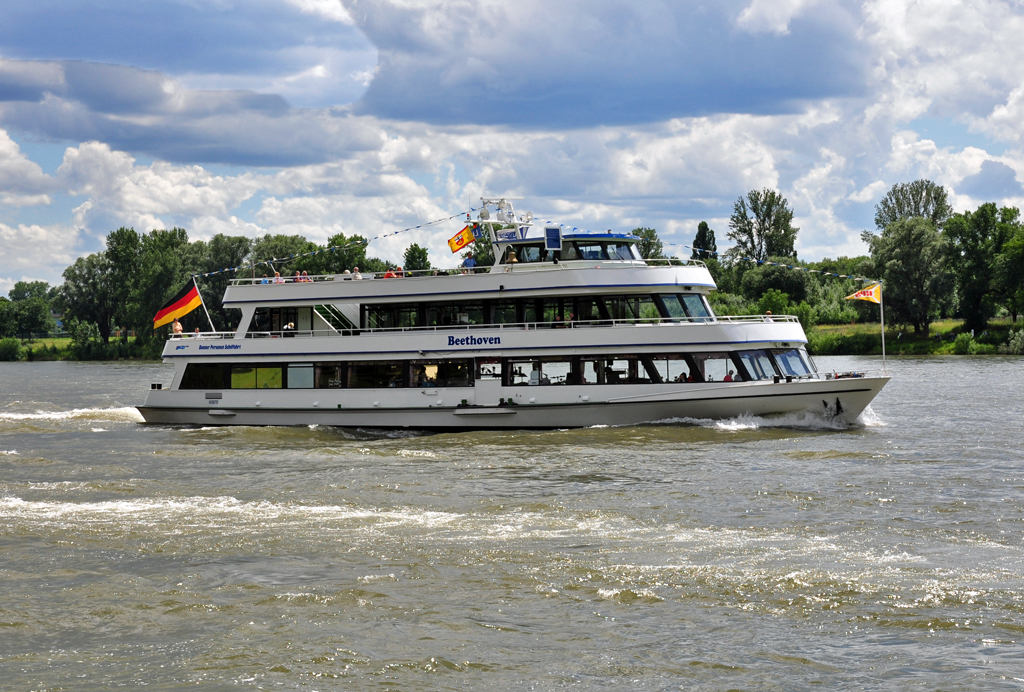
(946, 337)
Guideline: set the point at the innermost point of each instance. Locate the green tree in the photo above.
(649, 244)
(124, 253)
(33, 315)
(87, 294)
(164, 267)
(704, 246)
(8, 318)
(416, 258)
(221, 252)
(23, 290)
(762, 226)
(284, 249)
(773, 301)
(758, 280)
(971, 239)
(348, 253)
(1008, 267)
(919, 198)
(910, 257)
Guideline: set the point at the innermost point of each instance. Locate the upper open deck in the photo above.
(575, 277)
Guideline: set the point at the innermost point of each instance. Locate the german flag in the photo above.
(187, 300)
(461, 239)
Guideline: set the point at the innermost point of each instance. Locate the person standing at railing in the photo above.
(355, 273)
(176, 326)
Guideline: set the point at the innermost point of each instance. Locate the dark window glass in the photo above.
(620, 251)
(374, 375)
(269, 378)
(203, 376)
(441, 373)
(590, 251)
(631, 308)
(504, 312)
(331, 375)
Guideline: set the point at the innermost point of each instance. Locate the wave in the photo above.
(806, 420)
(124, 413)
(209, 508)
(8, 452)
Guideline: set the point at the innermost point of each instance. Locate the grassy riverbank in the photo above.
(866, 339)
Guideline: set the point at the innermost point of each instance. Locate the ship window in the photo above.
(539, 371)
(613, 370)
(570, 252)
(504, 312)
(631, 308)
(331, 375)
(300, 376)
(530, 253)
(622, 251)
(269, 378)
(443, 373)
(243, 378)
(590, 251)
(375, 374)
(695, 306)
(758, 364)
(488, 369)
(675, 367)
(792, 362)
(558, 310)
(273, 319)
(589, 309)
(453, 314)
(673, 306)
(202, 376)
(716, 367)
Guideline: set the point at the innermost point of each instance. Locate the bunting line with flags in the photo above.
(184, 302)
(461, 239)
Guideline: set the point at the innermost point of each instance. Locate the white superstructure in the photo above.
(581, 335)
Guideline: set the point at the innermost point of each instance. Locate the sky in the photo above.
(372, 116)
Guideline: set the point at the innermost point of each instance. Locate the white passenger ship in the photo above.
(565, 330)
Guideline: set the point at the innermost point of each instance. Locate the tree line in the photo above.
(933, 262)
(122, 287)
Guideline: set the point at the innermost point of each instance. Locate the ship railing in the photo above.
(528, 326)
(204, 335)
(460, 271)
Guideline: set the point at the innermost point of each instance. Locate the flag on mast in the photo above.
(186, 300)
(871, 293)
(461, 239)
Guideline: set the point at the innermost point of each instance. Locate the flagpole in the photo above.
(213, 329)
(881, 314)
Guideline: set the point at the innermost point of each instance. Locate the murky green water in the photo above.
(746, 554)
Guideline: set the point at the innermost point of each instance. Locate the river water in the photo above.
(743, 554)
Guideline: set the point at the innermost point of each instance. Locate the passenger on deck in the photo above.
(347, 276)
(389, 274)
(469, 262)
(277, 278)
(728, 378)
(264, 280)
(305, 277)
(355, 273)
(176, 326)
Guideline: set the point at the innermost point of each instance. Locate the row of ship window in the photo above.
(757, 364)
(549, 311)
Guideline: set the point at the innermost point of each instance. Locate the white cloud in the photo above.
(771, 15)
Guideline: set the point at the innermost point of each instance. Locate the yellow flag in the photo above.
(461, 239)
(871, 293)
